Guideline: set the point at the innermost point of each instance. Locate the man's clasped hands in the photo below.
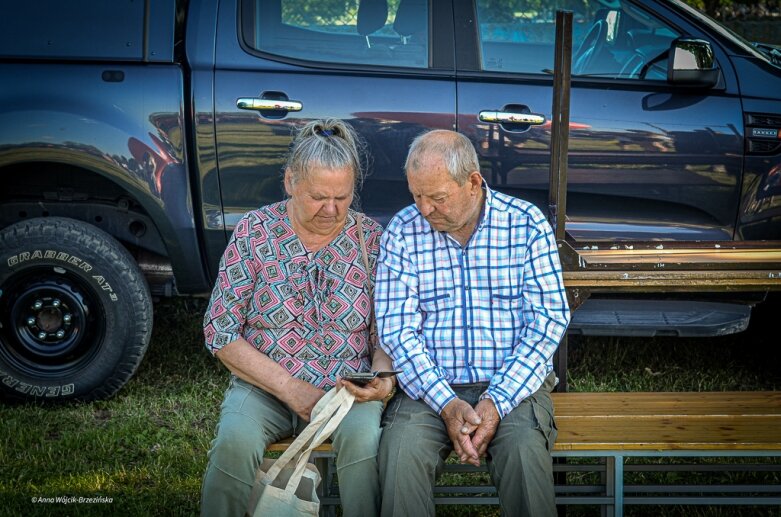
(470, 429)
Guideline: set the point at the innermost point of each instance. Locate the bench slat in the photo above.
(669, 433)
(665, 403)
(660, 421)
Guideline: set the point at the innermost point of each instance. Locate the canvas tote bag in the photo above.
(286, 487)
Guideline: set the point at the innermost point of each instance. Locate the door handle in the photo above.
(507, 117)
(258, 104)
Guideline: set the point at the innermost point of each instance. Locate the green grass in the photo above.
(146, 448)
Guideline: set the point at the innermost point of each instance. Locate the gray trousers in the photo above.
(415, 444)
(252, 419)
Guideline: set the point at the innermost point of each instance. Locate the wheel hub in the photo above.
(49, 318)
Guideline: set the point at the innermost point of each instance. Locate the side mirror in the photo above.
(691, 63)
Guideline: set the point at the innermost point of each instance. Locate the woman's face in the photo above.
(319, 202)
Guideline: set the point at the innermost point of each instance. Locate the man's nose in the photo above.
(425, 207)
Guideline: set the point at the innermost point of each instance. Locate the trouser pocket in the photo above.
(545, 423)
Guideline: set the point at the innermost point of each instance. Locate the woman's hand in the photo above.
(377, 389)
(302, 398)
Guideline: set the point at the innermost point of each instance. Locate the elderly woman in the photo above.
(289, 313)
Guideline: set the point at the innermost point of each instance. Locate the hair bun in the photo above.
(328, 128)
(327, 142)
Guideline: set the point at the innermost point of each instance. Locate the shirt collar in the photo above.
(485, 215)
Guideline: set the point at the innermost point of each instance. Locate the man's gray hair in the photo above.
(329, 143)
(455, 149)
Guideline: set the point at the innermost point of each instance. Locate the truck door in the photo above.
(647, 160)
(381, 66)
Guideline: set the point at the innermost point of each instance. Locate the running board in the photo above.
(649, 318)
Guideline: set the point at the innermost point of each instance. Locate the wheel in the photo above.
(75, 312)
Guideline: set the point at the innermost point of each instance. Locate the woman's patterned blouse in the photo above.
(308, 312)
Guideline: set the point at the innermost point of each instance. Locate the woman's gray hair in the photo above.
(455, 149)
(329, 143)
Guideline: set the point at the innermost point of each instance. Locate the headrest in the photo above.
(411, 18)
(372, 15)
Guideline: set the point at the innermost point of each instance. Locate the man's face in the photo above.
(446, 205)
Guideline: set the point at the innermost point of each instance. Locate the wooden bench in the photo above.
(608, 438)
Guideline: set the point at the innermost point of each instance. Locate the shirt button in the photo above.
(466, 287)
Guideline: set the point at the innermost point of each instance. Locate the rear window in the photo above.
(366, 32)
(87, 30)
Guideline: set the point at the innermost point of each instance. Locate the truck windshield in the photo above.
(759, 50)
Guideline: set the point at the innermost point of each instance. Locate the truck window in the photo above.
(621, 41)
(365, 32)
(85, 30)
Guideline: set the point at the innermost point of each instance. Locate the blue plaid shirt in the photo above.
(493, 311)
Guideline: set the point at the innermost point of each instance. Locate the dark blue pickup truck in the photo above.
(135, 133)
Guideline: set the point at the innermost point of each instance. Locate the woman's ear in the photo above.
(288, 183)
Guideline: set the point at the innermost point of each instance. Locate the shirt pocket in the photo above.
(436, 302)
(437, 311)
(506, 300)
(506, 315)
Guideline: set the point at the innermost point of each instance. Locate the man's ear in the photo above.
(476, 180)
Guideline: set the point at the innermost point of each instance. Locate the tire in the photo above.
(75, 312)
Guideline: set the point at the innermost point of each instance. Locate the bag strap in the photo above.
(322, 411)
(365, 259)
(339, 406)
(327, 414)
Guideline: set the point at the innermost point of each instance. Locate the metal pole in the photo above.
(557, 193)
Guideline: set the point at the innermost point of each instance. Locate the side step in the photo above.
(649, 318)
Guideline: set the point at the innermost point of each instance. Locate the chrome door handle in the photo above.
(506, 117)
(256, 104)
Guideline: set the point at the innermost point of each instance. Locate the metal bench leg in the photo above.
(619, 485)
(614, 485)
(323, 464)
(609, 479)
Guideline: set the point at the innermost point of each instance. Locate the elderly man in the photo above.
(471, 307)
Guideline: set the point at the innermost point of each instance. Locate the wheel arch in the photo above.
(107, 195)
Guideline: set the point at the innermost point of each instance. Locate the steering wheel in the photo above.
(638, 66)
(633, 67)
(591, 46)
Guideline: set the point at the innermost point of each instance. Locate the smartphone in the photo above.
(364, 378)
(360, 379)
